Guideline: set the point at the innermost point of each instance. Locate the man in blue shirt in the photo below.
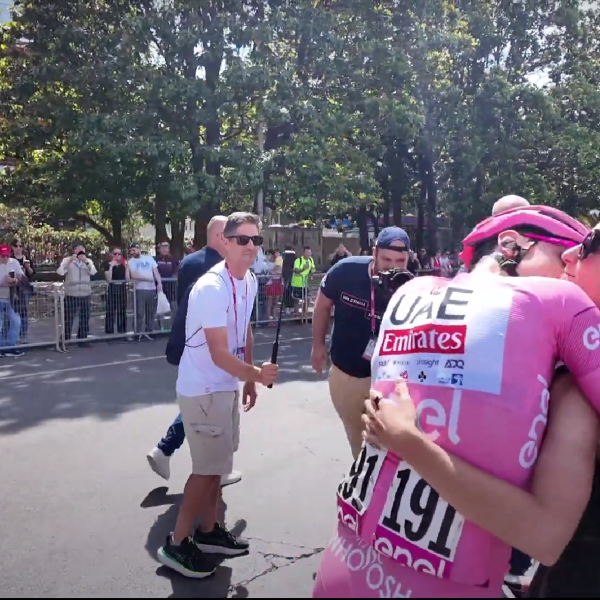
(191, 268)
(347, 288)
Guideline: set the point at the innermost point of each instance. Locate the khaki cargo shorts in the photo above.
(212, 428)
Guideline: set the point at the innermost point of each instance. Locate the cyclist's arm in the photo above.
(539, 522)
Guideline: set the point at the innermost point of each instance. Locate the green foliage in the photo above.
(127, 109)
(48, 243)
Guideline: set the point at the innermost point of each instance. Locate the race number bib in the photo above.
(356, 489)
(418, 528)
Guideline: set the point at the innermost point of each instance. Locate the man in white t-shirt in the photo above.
(143, 271)
(217, 355)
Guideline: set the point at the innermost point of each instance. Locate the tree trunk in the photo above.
(117, 230)
(177, 238)
(432, 213)
(396, 193)
(160, 218)
(203, 216)
(387, 208)
(363, 230)
(210, 206)
(373, 216)
(421, 216)
(429, 198)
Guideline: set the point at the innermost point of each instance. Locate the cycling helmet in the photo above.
(551, 220)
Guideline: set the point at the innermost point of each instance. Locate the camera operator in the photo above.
(348, 288)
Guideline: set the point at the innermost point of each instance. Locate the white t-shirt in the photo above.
(5, 269)
(143, 266)
(211, 305)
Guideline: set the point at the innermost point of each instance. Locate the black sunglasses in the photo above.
(590, 244)
(244, 240)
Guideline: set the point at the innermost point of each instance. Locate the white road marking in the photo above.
(128, 361)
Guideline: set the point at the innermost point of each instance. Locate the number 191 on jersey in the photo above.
(418, 528)
(356, 490)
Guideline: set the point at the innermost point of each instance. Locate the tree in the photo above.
(68, 112)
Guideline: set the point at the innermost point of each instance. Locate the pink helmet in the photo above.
(555, 222)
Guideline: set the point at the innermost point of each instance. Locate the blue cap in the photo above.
(392, 234)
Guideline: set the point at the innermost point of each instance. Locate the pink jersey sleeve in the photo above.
(579, 343)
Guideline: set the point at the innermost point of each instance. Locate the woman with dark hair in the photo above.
(117, 276)
(22, 293)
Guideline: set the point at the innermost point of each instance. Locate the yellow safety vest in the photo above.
(307, 265)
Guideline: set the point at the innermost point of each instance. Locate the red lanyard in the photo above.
(372, 306)
(237, 339)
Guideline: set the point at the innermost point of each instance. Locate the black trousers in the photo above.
(116, 308)
(80, 306)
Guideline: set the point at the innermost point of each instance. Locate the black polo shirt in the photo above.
(348, 284)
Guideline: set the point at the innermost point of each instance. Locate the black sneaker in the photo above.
(186, 559)
(221, 541)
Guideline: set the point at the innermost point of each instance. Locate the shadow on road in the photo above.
(91, 382)
(219, 584)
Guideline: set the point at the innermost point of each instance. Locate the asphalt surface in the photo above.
(82, 514)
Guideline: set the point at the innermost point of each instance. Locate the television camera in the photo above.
(385, 283)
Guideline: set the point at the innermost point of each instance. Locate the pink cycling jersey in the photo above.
(479, 353)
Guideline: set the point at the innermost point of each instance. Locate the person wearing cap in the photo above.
(10, 275)
(78, 271)
(347, 287)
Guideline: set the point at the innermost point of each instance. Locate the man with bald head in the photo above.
(192, 267)
(508, 202)
(505, 203)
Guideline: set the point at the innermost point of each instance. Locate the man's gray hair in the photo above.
(234, 220)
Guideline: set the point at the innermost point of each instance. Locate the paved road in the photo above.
(82, 515)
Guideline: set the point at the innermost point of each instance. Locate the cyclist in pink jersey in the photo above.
(478, 353)
(547, 520)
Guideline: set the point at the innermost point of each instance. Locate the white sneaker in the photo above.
(233, 477)
(159, 463)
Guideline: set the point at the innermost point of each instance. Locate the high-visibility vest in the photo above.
(307, 265)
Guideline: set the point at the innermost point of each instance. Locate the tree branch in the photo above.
(92, 223)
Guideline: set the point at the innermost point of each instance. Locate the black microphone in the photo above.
(287, 270)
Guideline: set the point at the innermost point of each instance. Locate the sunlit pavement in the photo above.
(83, 515)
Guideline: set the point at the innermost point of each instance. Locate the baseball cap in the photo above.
(134, 245)
(5, 250)
(388, 235)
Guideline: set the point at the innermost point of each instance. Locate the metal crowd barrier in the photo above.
(114, 310)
